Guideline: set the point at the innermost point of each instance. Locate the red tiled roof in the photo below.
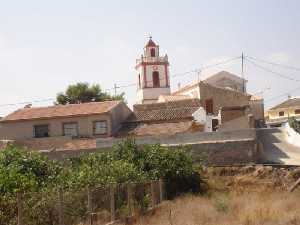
(61, 111)
(157, 129)
(165, 111)
(57, 143)
(151, 43)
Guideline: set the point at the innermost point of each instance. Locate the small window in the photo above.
(70, 129)
(155, 77)
(41, 131)
(297, 111)
(152, 52)
(100, 127)
(209, 106)
(281, 113)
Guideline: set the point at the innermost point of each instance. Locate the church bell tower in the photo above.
(153, 74)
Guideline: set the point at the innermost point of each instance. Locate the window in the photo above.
(100, 127)
(155, 78)
(297, 111)
(41, 131)
(152, 52)
(281, 113)
(209, 106)
(70, 129)
(139, 80)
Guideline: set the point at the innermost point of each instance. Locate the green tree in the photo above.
(84, 92)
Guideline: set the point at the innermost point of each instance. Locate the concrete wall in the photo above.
(220, 148)
(185, 138)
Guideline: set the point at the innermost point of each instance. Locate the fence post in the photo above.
(152, 194)
(61, 207)
(90, 205)
(129, 199)
(20, 208)
(160, 190)
(112, 203)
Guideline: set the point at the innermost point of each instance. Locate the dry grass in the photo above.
(232, 209)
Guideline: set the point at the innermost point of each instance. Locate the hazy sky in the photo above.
(46, 45)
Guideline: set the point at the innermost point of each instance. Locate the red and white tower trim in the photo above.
(153, 74)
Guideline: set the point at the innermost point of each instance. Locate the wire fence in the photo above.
(86, 206)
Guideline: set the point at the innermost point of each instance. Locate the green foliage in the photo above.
(22, 171)
(294, 124)
(28, 172)
(83, 92)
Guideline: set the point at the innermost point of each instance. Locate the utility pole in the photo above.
(199, 74)
(115, 87)
(243, 72)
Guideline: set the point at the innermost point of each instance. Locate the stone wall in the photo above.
(231, 147)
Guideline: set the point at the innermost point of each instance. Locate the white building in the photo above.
(153, 74)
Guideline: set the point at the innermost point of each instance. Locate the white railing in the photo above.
(152, 59)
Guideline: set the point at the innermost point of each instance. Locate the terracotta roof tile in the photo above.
(57, 143)
(61, 111)
(165, 111)
(151, 43)
(291, 102)
(157, 129)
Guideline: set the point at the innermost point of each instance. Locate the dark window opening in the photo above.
(152, 52)
(155, 77)
(297, 111)
(281, 113)
(41, 131)
(70, 129)
(100, 127)
(209, 106)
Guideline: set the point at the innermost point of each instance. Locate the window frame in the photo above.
(68, 123)
(281, 113)
(40, 125)
(94, 127)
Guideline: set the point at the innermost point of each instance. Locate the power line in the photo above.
(282, 95)
(274, 64)
(133, 84)
(271, 71)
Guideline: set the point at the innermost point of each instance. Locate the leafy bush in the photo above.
(294, 124)
(26, 172)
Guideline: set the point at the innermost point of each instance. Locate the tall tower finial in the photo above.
(150, 36)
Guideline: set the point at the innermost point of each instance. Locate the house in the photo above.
(96, 119)
(213, 98)
(163, 118)
(228, 80)
(224, 90)
(279, 114)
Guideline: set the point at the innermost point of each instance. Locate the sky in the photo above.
(47, 45)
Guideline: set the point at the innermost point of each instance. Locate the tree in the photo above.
(84, 92)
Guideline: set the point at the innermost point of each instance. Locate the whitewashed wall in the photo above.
(292, 136)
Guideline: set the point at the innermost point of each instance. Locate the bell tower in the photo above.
(152, 74)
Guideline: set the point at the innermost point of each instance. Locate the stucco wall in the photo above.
(221, 97)
(25, 129)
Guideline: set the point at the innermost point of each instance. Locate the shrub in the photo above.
(294, 124)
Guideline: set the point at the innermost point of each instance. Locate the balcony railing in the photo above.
(152, 59)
